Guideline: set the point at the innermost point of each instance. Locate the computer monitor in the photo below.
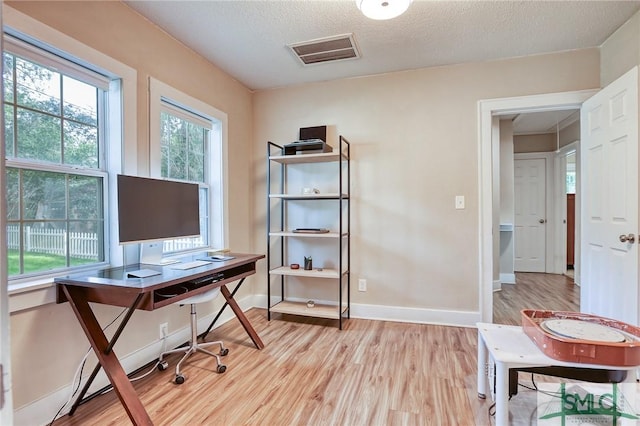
(152, 210)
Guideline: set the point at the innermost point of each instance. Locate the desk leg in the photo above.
(502, 394)
(113, 341)
(107, 358)
(233, 294)
(482, 367)
(243, 319)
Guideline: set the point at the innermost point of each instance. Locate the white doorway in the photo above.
(488, 110)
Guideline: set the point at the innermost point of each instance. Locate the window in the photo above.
(187, 145)
(56, 171)
(184, 141)
(571, 174)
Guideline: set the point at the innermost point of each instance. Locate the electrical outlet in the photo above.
(164, 330)
(362, 284)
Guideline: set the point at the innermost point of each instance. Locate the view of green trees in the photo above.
(183, 148)
(55, 197)
(52, 134)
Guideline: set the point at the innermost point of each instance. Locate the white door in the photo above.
(609, 161)
(530, 217)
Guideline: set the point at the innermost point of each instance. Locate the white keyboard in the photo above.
(190, 265)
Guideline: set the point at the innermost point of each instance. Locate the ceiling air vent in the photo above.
(328, 49)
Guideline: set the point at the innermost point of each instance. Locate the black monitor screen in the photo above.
(156, 209)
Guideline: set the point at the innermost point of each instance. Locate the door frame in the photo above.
(487, 145)
(6, 396)
(560, 204)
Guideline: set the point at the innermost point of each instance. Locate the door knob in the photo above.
(542, 221)
(627, 238)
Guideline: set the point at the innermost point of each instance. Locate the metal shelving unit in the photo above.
(279, 232)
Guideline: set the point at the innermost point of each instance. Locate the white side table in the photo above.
(508, 347)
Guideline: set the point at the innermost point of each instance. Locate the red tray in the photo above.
(622, 354)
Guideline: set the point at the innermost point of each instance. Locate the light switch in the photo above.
(459, 202)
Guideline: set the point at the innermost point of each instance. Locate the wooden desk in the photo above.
(113, 287)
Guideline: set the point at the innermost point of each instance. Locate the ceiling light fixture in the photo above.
(383, 9)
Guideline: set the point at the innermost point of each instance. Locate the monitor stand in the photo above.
(151, 254)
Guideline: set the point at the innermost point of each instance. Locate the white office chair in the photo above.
(194, 346)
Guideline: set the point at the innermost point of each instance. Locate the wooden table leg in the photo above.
(113, 341)
(233, 293)
(107, 358)
(243, 319)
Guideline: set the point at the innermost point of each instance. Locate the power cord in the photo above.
(534, 387)
(79, 370)
(151, 370)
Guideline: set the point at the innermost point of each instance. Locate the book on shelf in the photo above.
(311, 230)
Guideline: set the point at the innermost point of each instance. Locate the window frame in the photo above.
(28, 50)
(160, 94)
(31, 292)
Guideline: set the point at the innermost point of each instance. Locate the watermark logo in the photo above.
(599, 404)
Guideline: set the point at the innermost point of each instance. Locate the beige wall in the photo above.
(507, 199)
(546, 142)
(621, 51)
(535, 143)
(47, 342)
(507, 202)
(570, 134)
(415, 147)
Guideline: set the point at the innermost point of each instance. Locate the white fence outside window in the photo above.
(82, 245)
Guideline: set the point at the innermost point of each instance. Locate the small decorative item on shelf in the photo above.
(310, 191)
(311, 304)
(308, 263)
(295, 266)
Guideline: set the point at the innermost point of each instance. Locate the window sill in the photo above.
(31, 294)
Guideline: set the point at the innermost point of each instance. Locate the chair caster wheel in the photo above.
(224, 352)
(179, 379)
(221, 368)
(163, 365)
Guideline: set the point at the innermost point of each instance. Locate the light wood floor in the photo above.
(370, 373)
(311, 373)
(534, 291)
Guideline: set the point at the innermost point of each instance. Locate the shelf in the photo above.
(300, 308)
(285, 184)
(314, 273)
(307, 158)
(327, 196)
(307, 234)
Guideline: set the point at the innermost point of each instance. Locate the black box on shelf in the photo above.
(316, 132)
(308, 146)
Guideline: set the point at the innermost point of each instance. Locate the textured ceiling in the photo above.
(248, 39)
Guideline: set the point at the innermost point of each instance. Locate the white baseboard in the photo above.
(41, 412)
(508, 278)
(497, 285)
(403, 314)
(415, 315)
